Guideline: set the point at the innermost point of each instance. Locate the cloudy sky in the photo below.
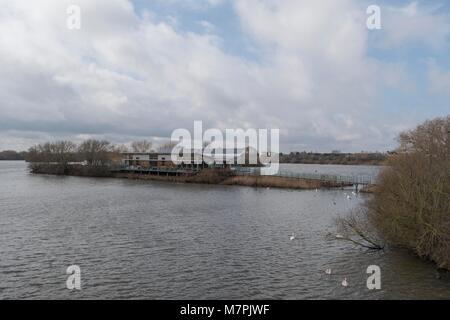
(140, 69)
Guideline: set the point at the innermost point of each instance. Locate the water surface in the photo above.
(153, 240)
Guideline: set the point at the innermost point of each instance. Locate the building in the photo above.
(197, 160)
(147, 160)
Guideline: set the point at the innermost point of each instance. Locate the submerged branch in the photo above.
(356, 229)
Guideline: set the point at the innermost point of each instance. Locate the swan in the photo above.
(345, 283)
(292, 237)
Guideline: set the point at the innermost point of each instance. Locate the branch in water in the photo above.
(357, 229)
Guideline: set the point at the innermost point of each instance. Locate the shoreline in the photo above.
(207, 176)
(245, 181)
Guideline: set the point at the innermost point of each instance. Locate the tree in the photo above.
(116, 153)
(357, 229)
(95, 152)
(40, 153)
(411, 207)
(62, 152)
(121, 148)
(167, 147)
(143, 146)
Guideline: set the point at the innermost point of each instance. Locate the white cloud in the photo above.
(208, 26)
(439, 80)
(193, 4)
(416, 24)
(123, 75)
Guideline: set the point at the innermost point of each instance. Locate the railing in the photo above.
(154, 169)
(355, 180)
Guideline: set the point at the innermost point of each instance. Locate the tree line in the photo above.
(12, 155)
(93, 152)
(366, 158)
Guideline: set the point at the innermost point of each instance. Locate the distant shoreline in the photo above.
(378, 164)
(207, 176)
(355, 159)
(334, 158)
(318, 163)
(11, 155)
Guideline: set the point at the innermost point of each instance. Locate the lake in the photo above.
(156, 240)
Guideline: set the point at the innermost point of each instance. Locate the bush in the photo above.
(411, 207)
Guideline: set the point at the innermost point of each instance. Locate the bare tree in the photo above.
(167, 147)
(121, 148)
(357, 229)
(430, 138)
(411, 206)
(95, 152)
(142, 146)
(32, 154)
(46, 152)
(116, 153)
(62, 151)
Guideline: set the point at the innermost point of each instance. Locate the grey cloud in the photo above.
(123, 76)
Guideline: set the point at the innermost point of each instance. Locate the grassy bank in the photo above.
(209, 176)
(279, 182)
(225, 177)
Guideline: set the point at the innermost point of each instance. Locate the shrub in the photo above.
(411, 207)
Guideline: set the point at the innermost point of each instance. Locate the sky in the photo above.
(141, 69)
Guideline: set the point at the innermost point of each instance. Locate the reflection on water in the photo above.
(135, 239)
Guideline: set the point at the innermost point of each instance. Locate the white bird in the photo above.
(344, 282)
(354, 193)
(349, 198)
(292, 237)
(339, 236)
(317, 190)
(328, 271)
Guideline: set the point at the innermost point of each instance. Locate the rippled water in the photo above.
(153, 240)
(343, 170)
